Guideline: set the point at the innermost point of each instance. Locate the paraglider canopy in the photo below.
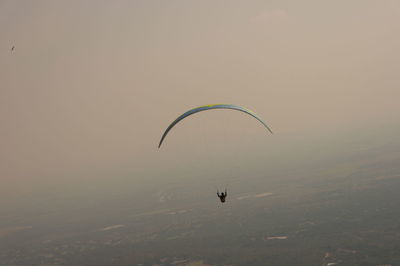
(210, 107)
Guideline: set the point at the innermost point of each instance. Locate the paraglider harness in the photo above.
(222, 195)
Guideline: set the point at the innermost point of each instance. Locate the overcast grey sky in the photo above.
(91, 85)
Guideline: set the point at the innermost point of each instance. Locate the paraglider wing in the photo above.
(209, 107)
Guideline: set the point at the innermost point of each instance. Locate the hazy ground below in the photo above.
(338, 208)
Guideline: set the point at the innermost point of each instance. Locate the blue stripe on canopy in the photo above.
(210, 107)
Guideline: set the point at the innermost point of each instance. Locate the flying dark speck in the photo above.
(12, 48)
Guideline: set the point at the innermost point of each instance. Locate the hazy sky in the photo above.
(91, 85)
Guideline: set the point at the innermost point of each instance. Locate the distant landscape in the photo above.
(335, 210)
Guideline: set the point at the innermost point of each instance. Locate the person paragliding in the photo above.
(222, 195)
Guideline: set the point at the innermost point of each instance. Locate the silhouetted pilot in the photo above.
(222, 196)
